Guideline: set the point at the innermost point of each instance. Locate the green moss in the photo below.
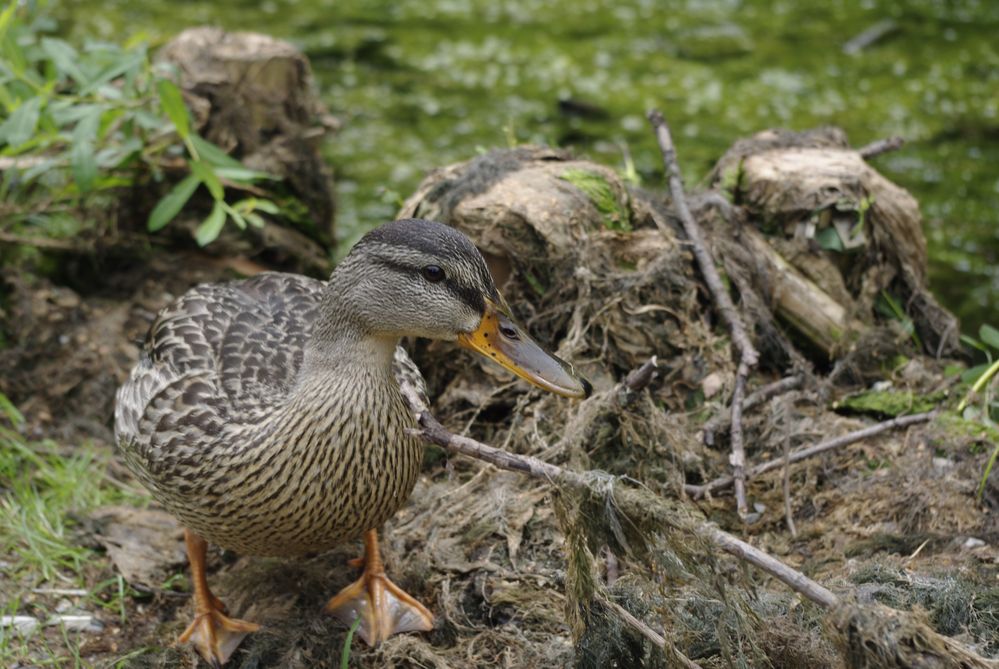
(956, 426)
(889, 402)
(595, 186)
(731, 177)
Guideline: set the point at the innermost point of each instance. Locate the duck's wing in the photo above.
(221, 354)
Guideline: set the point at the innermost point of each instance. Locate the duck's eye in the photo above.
(433, 273)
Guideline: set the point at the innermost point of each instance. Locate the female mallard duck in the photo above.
(266, 414)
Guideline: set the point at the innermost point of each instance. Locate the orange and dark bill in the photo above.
(502, 340)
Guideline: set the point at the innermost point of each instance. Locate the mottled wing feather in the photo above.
(223, 354)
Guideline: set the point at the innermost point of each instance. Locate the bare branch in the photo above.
(748, 356)
(811, 451)
(880, 146)
(646, 631)
(635, 501)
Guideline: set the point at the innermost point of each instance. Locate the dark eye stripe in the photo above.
(470, 296)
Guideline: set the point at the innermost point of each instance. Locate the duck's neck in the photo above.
(342, 344)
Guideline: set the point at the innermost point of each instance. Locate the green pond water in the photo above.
(423, 84)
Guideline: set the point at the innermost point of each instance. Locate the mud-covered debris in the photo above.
(145, 545)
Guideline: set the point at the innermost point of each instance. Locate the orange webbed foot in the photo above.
(383, 607)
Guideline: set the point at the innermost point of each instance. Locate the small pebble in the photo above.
(942, 463)
(22, 624)
(973, 542)
(77, 623)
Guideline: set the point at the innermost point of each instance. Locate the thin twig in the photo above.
(738, 457)
(748, 356)
(720, 422)
(646, 631)
(45, 243)
(786, 488)
(880, 146)
(811, 451)
(636, 381)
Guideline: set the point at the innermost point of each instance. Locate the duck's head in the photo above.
(419, 278)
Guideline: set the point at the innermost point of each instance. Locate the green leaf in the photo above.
(65, 58)
(6, 17)
(171, 204)
(210, 228)
(989, 335)
(20, 126)
(173, 105)
(208, 176)
(131, 62)
(829, 239)
(241, 174)
(266, 206)
(255, 204)
(8, 409)
(254, 219)
(81, 153)
(972, 374)
(213, 154)
(236, 217)
(974, 343)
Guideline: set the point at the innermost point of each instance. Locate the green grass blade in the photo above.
(345, 655)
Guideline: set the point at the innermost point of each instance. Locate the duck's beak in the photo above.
(502, 340)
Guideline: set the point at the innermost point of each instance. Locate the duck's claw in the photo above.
(215, 636)
(383, 607)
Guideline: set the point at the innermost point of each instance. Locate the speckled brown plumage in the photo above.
(266, 415)
(214, 425)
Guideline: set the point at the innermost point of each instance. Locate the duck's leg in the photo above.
(384, 608)
(213, 634)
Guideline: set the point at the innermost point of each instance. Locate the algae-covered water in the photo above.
(423, 84)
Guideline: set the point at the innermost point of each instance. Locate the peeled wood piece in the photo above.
(800, 302)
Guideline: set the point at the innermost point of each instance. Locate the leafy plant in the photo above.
(980, 377)
(77, 125)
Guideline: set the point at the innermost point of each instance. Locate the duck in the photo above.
(266, 414)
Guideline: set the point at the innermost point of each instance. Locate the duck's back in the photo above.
(222, 352)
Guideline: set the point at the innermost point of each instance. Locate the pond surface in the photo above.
(422, 84)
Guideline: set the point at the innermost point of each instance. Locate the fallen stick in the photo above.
(636, 501)
(748, 356)
(655, 637)
(720, 422)
(876, 148)
(911, 642)
(811, 451)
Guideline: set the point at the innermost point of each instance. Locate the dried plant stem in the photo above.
(786, 489)
(811, 451)
(748, 356)
(655, 637)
